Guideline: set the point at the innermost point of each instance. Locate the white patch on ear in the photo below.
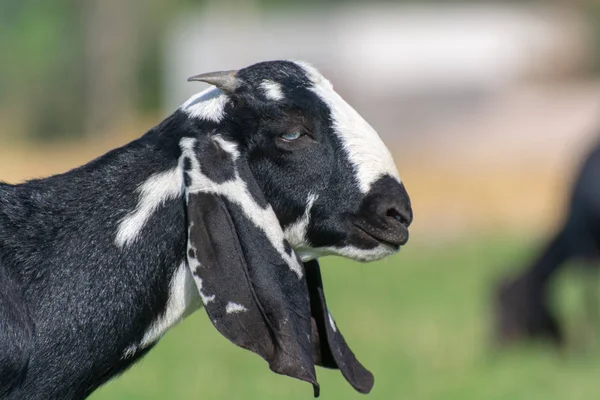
(208, 105)
(232, 308)
(272, 90)
(331, 321)
(154, 192)
(205, 298)
(183, 300)
(365, 149)
(295, 233)
(237, 192)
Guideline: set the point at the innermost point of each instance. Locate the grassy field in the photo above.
(420, 322)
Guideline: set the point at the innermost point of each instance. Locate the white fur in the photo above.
(314, 75)
(295, 233)
(237, 192)
(331, 322)
(130, 351)
(232, 308)
(377, 253)
(229, 147)
(208, 105)
(205, 298)
(311, 253)
(183, 300)
(354, 253)
(368, 154)
(153, 193)
(272, 90)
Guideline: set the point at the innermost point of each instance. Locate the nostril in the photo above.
(393, 213)
(398, 216)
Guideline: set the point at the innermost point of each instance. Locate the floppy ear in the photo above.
(329, 346)
(251, 282)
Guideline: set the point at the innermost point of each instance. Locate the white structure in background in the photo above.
(380, 57)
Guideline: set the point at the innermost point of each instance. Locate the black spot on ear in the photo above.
(187, 180)
(191, 253)
(198, 271)
(187, 164)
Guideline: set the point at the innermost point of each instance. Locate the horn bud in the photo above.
(227, 81)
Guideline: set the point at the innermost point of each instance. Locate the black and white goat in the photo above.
(226, 204)
(523, 309)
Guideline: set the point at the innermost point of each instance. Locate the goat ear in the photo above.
(251, 282)
(330, 349)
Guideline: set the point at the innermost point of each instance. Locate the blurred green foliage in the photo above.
(42, 69)
(420, 322)
(47, 54)
(43, 72)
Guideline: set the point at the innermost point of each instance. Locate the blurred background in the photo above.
(488, 108)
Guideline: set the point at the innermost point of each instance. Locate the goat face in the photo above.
(281, 170)
(331, 181)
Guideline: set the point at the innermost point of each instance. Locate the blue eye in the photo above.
(291, 136)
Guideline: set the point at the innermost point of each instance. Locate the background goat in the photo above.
(227, 203)
(523, 308)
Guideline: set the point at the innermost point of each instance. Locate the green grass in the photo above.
(419, 321)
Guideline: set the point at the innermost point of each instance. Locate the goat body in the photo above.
(523, 301)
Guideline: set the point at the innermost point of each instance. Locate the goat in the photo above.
(227, 204)
(522, 302)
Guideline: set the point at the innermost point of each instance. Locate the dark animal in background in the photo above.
(523, 309)
(226, 205)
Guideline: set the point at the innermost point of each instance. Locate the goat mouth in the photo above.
(394, 241)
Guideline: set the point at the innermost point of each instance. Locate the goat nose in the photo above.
(393, 205)
(387, 207)
(400, 214)
(386, 212)
(394, 208)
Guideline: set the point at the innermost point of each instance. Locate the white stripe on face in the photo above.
(367, 152)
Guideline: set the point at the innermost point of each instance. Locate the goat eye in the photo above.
(291, 136)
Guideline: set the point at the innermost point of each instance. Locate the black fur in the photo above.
(80, 301)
